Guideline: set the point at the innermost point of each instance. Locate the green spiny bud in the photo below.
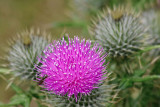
(23, 53)
(120, 32)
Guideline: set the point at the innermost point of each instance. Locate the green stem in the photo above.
(70, 24)
(4, 70)
(146, 78)
(148, 48)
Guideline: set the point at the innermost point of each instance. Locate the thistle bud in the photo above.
(120, 32)
(24, 51)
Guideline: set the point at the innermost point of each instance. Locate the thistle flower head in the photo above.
(120, 32)
(72, 68)
(23, 53)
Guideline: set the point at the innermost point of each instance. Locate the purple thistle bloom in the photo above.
(72, 68)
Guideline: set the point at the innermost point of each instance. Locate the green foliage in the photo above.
(21, 98)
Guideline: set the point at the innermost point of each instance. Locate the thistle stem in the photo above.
(146, 78)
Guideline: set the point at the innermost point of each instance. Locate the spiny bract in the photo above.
(72, 68)
(24, 51)
(98, 97)
(120, 32)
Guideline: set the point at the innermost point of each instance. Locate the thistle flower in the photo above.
(72, 69)
(24, 51)
(120, 32)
